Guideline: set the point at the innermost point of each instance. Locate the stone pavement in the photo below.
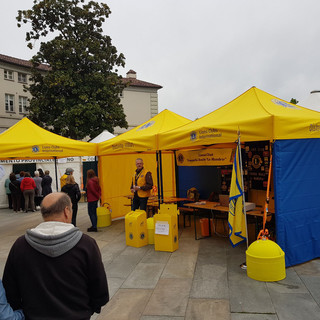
(201, 280)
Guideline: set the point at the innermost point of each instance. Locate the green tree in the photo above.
(78, 96)
(294, 101)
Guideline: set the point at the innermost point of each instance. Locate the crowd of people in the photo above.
(26, 193)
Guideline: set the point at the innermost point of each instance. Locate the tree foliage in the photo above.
(294, 101)
(79, 95)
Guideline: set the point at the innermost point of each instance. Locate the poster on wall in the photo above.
(257, 164)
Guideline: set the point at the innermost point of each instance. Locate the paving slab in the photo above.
(169, 298)
(160, 318)
(180, 265)
(144, 276)
(210, 281)
(208, 309)
(295, 306)
(309, 268)
(313, 285)
(122, 266)
(114, 284)
(126, 304)
(256, 316)
(153, 256)
(251, 296)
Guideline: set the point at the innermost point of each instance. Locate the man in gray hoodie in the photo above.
(55, 271)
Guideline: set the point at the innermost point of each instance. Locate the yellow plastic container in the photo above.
(104, 217)
(150, 228)
(136, 228)
(169, 208)
(265, 261)
(166, 232)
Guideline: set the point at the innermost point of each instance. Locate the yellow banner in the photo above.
(205, 157)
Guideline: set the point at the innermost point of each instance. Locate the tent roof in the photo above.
(27, 140)
(144, 137)
(257, 114)
(103, 136)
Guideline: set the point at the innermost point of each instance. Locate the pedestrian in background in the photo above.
(46, 183)
(27, 187)
(38, 191)
(16, 193)
(8, 192)
(71, 188)
(93, 196)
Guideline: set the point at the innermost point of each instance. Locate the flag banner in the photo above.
(237, 218)
(205, 157)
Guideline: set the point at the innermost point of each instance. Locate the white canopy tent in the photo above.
(312, 102)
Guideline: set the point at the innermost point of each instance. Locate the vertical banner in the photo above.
(237, 217)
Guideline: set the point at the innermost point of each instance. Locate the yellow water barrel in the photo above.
(150, 228)
(265, 261)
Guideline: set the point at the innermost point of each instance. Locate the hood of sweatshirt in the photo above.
(53, 238)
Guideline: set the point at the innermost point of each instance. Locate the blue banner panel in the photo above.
(297, 198)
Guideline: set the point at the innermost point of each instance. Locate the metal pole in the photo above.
(56, 173)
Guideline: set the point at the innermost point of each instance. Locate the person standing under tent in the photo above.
(8, 192)
(46, 183)
(141, 186)
(93, 196)
(16, 192)
(27, 187)
(38, 191)
(64, 177)
(71, 188)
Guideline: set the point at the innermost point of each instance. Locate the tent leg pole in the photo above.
(158, 178)
(56, 172)
(161, 177)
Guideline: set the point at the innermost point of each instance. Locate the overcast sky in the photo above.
(205, 53)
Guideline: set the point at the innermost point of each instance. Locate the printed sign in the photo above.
(162, 227)
(205, 157)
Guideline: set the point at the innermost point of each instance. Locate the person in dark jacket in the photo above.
(16, 193)
(46, 183)
(93, 196)
(55, 271)
(71, 188)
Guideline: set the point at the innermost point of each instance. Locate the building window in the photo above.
(8, 74)
(22, 77)
(9, 102)
(23, 104)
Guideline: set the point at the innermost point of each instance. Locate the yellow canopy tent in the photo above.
(144, 137)
(258, 115)
(117, 160)
(27, 140)
(295, 132)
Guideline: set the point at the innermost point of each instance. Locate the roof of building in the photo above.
(139, 83)
(21, 63)
(130, 81)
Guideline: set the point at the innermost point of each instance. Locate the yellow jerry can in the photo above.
(136, 228)
(104, 215)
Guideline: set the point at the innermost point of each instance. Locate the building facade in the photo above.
(139, 98)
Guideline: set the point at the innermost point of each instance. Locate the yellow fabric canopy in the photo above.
(144, 137)
(27, 140)
(257, 114)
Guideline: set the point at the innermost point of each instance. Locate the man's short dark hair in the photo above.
(57, 207)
